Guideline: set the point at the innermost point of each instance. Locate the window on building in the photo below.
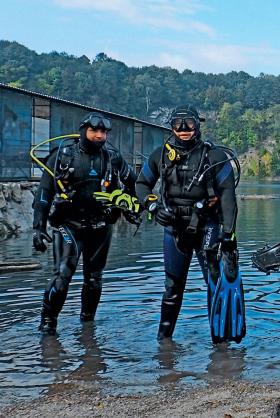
(40, 130)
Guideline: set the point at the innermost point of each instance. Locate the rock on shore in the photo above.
(16, 213)
(258, 196)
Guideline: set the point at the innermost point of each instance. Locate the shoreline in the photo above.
(233, 399)
(257, 196)
(16, 212)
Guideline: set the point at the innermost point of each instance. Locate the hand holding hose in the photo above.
(157, 211)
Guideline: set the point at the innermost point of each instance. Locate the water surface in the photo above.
(119, 353)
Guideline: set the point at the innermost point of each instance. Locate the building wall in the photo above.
(15, 135)
(27, 119)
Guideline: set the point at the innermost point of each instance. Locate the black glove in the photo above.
(39, 236)
(164, 217)
(228, 242)
(111, 214)
(132, 217)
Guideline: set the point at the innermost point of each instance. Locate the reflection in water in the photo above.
(93, 364)
(226, 362)
(169, 355)
(52, 353)
(120, 353)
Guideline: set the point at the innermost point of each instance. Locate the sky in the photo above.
(207, 36)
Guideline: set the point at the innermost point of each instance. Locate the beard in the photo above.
(90, 147)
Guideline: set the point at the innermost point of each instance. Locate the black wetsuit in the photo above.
(190, 229)
(79, 226)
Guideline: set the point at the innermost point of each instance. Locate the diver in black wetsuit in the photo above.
(197, 207)
(80, 224)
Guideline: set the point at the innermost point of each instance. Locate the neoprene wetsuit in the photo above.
(189, 230)
(79, 223)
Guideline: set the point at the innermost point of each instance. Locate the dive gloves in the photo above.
(228, 242)
(39, 236)
(118, 200)
(157, 211)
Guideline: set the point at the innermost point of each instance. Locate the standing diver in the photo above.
(80, 224)
(198, 210)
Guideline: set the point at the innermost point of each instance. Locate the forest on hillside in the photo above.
(241, 111)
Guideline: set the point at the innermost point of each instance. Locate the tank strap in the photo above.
(195, 180)
(106, 181)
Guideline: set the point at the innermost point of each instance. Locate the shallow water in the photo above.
(119, 353)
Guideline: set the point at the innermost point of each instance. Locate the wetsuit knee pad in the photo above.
(174, 288)
(67, 270)
(93, 284)
(54, 296)
(95, 281)
(61, 284)
(171, 305)
(58, 289)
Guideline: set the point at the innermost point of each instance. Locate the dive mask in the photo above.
(184, 124)
(97, 122)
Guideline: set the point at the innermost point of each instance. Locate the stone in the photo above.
(16, 192)
(6, 188)
(3, 231)
(2, 200)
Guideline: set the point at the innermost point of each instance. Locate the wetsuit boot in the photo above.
(53, 300)
(48, 322)
(91, 293)
(170, 308)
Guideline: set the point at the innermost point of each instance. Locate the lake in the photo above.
(119, 353)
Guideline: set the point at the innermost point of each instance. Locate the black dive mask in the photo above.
(97, 121)
(186, 124)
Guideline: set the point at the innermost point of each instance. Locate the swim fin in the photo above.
(227, 309)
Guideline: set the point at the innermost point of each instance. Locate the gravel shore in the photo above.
(232, 399)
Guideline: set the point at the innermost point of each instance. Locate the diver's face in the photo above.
(96, 135)
(184, 135)
(184, 127)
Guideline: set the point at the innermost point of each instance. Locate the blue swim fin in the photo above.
(227, 308)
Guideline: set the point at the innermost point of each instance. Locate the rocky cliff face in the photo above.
(16, 213)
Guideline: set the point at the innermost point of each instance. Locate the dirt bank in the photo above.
(233, 399)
